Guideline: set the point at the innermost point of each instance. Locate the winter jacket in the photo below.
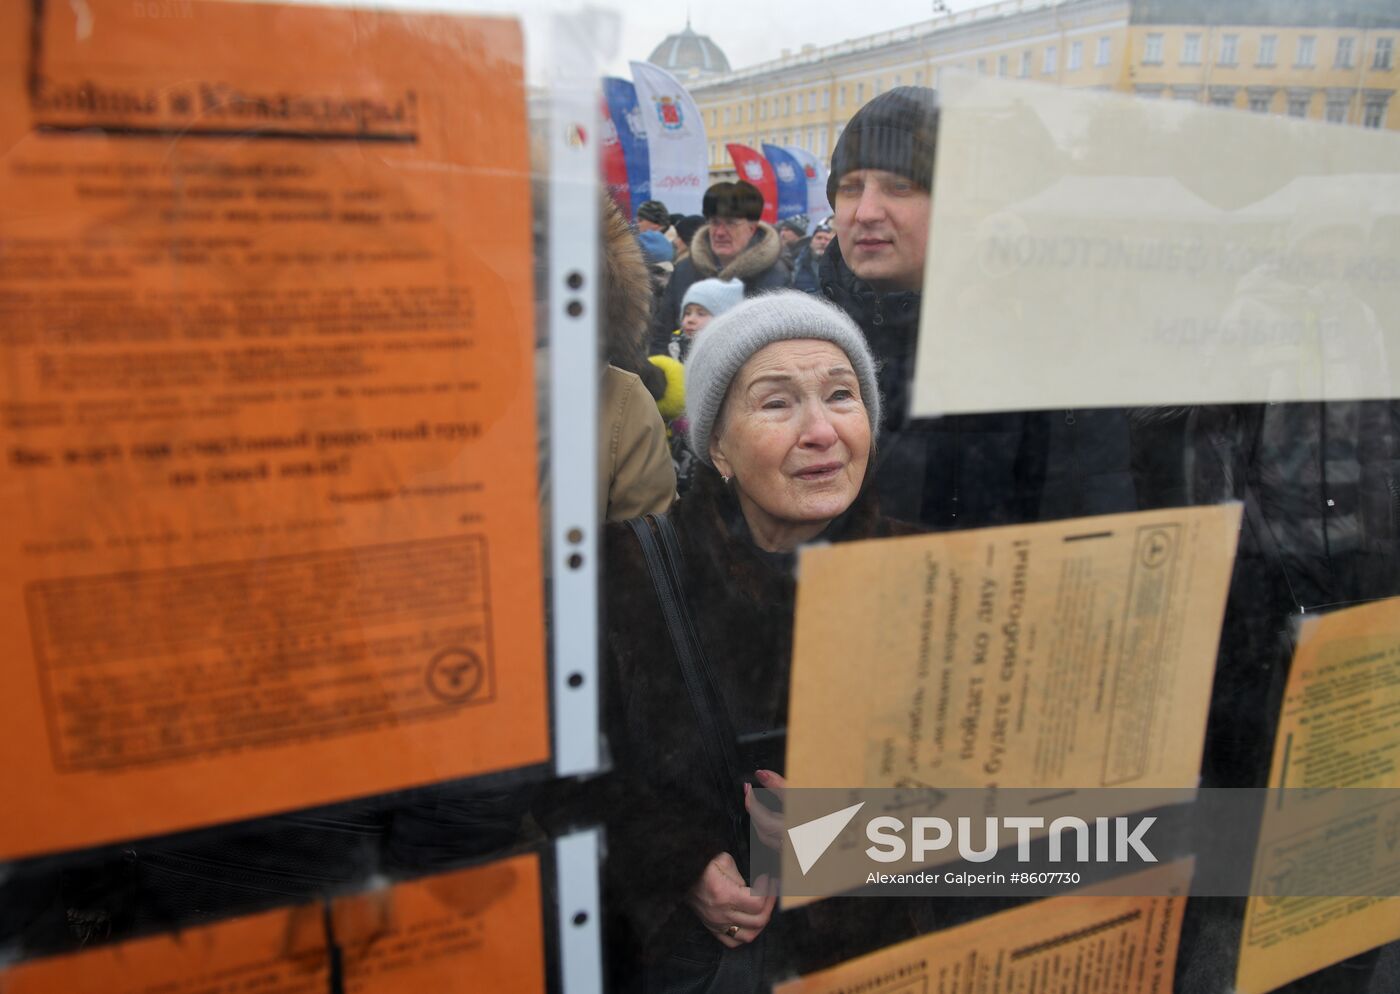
(1088, 467)
(669, 820)
(963, 471)
(635, 472)
(759, 266)
(806, 271)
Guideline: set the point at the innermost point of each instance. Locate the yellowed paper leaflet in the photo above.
(1072, 654)
(1063, 945)
(1339, 728)
(1100, 250)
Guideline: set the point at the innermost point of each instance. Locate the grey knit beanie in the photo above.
(731, 340)
(896, 132)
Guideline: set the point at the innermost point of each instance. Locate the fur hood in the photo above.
(626, 299)
(626, 286)
(759, 256)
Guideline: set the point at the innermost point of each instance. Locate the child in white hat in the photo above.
(704, 301)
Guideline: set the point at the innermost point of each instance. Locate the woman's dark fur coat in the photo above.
(669, 822)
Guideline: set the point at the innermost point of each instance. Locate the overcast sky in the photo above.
(749, 31)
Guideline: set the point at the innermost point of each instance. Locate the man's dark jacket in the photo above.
(964, 471)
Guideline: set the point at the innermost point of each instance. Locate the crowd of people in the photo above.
(789, 360)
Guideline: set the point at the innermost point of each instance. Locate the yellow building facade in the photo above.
(1325, 61)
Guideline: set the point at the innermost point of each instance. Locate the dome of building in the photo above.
(688, 54)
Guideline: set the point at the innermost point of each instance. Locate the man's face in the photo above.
(644, 225)
(882, 224)
(729, 235)
(819, 243)
(789, 237)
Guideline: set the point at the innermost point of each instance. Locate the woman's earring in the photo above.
(725, 479)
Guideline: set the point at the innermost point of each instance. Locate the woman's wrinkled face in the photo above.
(795, 438)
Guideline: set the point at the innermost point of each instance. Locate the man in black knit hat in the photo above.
(952, 472)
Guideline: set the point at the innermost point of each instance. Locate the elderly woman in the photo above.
(783, 400)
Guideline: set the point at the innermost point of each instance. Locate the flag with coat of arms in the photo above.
(675, 139)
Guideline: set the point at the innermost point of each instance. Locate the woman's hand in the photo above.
(767, 823)
(721, 902)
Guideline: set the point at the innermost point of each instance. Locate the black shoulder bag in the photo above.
(740, 969)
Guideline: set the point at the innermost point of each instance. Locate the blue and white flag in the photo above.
(792, 183)
(621, 97)
(675, 139)
(818, 208)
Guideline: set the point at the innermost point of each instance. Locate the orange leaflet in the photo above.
(268, 469)
(473, 930)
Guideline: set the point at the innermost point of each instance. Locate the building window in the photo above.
(1003, 65)
(1025, 64)
(1152, 54)
(1297, 105)
(1229, 49)
(826, 100)
(1222, 98)
(1101, 56)
(860, 94)
(751, 113)
(800, 102)
(1259, 103)
(1052, 58)
(712, 118)
(918, 77)
(1346, 48)
(1307, 52)
(1268, 46)
(898, 80)
(1385, 51)
(1187, 93)
(982, 66)
(763, 111)
(811, 145)
(879, 83)
(1076, 55)
(787, 106)
(1337, 109)
(841, 97)
(1375, 112)
(726, 117)
(1191, 50)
